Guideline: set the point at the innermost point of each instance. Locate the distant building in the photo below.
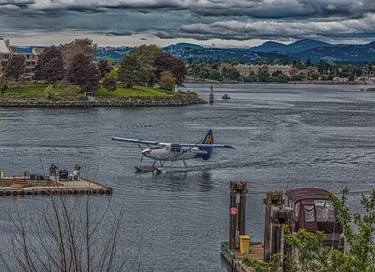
(246, 70)
(5, 53)
(31, 56)
(284, 69)
(340, 79)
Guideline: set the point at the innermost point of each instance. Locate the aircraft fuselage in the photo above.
(167, 152)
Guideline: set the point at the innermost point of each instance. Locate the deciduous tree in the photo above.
(83, 72)
(104, 68)
(167, 62)
(129, 72)
(16, 67)
(167, 81)
(78, 46)
(50, 66)
(110, 83)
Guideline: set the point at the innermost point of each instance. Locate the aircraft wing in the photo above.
(135, 141)
(204, 145)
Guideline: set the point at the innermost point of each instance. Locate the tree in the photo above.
(67, 236)
(167, 62)
(104, 68)
(50, 66)
(167, 81)
(129, 72)
(83, 72)
(16, 67)
(3, 85)
(230, 73)
(146, 56)
(110, 83)
(138, 66)
(263, 74)
(78, 46)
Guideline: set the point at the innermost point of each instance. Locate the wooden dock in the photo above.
(23, 186)
(234, 258)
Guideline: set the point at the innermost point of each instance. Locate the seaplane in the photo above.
(174, 152)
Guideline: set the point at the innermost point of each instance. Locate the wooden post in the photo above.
(272, 227)
(242, 209)
(211, 97)
(287, 252)
(237, 212)
(267, 227)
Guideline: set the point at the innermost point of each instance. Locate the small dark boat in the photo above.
(225, 97)
(314, 212)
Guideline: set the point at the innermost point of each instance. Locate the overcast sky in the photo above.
(228, 23)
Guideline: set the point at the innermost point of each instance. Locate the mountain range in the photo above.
(312, 50)
(296, 47)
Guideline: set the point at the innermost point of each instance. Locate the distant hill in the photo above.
(179, 46)
(296, 47)
(341, 53)
(303, 50)
(269, 47)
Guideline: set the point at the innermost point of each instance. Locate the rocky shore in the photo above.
(101, 102)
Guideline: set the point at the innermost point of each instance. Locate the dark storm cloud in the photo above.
(277, 29)
(199, 19)
(255, 8)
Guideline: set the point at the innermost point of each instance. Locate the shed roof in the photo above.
(4, 49)
(307, 193)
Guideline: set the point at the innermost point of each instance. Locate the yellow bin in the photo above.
(244, 244)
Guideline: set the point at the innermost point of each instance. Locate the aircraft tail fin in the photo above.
(208, 139)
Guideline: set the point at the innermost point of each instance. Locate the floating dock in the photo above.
(28, 185)
(235, 259)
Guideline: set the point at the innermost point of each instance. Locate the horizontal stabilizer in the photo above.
(205, 145)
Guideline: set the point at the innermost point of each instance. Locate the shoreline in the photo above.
(100, 103)
(304, 82)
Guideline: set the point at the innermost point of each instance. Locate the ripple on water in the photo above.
(285, 136)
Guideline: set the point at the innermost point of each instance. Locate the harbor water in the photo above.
(285, 136)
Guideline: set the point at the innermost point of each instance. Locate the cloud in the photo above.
(199, 19)
(254, 8)
(276, 29)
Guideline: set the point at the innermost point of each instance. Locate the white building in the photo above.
(6, 51)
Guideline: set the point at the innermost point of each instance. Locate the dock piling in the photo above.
(211, 97)
(237, 214)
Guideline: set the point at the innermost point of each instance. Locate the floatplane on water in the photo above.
(174, 152)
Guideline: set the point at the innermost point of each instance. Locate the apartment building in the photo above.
(5, 53)
(30, 54)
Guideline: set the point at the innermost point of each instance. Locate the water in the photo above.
(285, 136)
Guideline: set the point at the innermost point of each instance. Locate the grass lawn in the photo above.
(25, 92)
(72, 93)
(137, 92)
